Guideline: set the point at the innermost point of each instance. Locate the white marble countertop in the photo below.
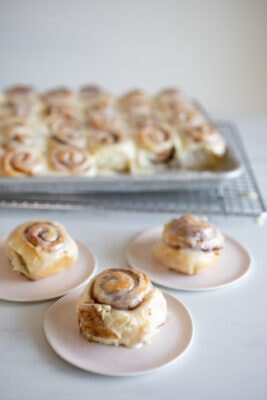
(227, 358)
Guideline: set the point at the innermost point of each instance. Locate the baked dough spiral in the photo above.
(155, 145)
(189, 245)
(22, 161)
(71, 137)
(39, 248)
(44, 234)
(71, 160)
(120, 306)
(203, 147)
(57, 96)
(121, 288)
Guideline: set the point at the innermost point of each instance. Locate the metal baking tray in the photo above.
(170, 180)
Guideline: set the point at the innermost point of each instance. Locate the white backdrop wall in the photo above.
(215, 50)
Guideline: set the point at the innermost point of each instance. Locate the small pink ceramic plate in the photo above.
(233, 265)
(170, 342)
(16, 287)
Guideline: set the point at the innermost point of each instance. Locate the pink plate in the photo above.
(16, 287)
(233, 265)
(170, 342)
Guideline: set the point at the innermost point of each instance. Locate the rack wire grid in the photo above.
(240, 196)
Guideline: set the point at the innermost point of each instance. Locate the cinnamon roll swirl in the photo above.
(71, 137)
(22, 161)
(71, 160)
(112, 151)
(202, 147)
(120, 306)
(39, 248)
(189, 245)
(156, 146)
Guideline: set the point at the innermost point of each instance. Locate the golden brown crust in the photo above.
(21, 161)
(120, 306)
(70, 160)
(39, 248)
(189, 245)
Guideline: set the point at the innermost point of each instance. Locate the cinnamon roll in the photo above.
(58, 96)
(202, 147)
(168, 97)
(69, 136)
(120, 306)
(59, 117)
(40, 248)
(95, 97)
(113, 153)
(15, 135)
(133, 98)
(21, 100)
(71, 160)
(185, 115)
(189, 245)
(156, 146)
(20, 93)
(22, 161)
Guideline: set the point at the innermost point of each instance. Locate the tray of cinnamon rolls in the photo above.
(89, 140)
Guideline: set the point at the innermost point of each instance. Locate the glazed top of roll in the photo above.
(121, 288)
(192, 232)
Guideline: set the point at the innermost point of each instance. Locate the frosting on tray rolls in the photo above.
(189, 245)
(120, 306)
(39, 248)
(134, 133)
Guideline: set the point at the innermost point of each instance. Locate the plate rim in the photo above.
(169, 297)
(61, 292)
(193, 289)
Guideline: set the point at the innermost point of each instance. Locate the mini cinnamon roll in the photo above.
(113, 153)
(21, 100)
(71, 160)
(15, 140)
(69, 136)
(203, 146)
(20, 94)
(93, 96)
(15, 135)
(155, 146)
(169, 96)
(61, 116)
(40, 248)
(185, 115)
(189, 245)
(57, 96)
(22, 161)
(104, 121)
(120, 306)
(136, 102)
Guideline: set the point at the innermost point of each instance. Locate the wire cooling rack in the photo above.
(240, 196)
